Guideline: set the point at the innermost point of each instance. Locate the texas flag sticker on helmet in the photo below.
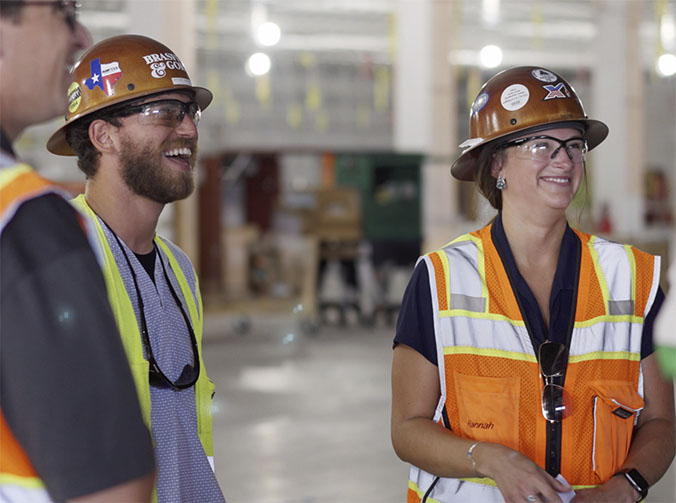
(103, 75)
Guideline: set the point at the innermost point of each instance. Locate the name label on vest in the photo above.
(480, 425)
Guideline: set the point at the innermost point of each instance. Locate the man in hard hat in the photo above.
(132, 122)
(70, 423)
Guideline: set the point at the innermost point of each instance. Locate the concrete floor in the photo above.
(302, 419)
(305, 418)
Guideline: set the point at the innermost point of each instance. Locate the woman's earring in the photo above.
(500, 183)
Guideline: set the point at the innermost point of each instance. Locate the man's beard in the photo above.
(142, 172)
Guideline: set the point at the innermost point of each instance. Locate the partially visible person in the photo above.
(524, 350)
(70, 425)
(132, 122)
(665, 329)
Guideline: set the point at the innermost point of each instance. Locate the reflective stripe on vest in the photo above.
(18, 479)
(489, 376)
(131, 337)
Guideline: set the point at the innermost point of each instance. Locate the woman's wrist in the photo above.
(485, 454)
(625, 486)
(470, 456)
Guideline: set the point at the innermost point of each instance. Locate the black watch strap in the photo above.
(636, 480)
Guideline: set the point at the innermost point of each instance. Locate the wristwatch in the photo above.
(636, 481)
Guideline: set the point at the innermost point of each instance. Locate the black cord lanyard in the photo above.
(554, 431)
(157, 378)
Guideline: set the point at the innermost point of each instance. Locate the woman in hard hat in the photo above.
(524, 349)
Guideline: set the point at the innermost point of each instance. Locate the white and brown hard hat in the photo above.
(519, 100)
(120, 69)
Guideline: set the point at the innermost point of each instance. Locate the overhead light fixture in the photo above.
(268, 34)
(667, 30)
(490, 56)
(490, 12)
(666, 65)
(258, 64)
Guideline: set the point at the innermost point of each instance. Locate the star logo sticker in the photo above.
(103, 75)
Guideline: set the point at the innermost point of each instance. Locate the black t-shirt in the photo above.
(66, 389)
(415, 325)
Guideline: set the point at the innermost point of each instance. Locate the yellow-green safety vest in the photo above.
(131, 336)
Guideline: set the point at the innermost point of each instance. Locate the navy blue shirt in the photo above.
(415, 326)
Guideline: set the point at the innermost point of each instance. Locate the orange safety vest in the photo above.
(18, 479)
(489, 376)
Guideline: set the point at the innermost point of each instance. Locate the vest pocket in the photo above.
(488, 408)
(616, 406)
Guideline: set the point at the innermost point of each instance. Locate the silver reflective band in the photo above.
(467, 303)
(620, 307)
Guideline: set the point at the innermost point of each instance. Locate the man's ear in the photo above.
(101, 134)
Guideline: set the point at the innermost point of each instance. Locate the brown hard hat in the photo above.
(518, 100)
(120, 69)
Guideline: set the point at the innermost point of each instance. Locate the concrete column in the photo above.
(172, 22)
(425, 100)
(617, 167)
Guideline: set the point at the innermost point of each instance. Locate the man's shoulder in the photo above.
(177, 252)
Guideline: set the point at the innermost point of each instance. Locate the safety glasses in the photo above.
(168, 113)
(156, 377)
(544, 148)
(67, 7)
(556, 402)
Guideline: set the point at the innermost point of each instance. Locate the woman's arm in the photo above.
(420, 441)
(653, 444)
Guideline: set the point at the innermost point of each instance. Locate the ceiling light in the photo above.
(667, 30)
(268, 34)
(258, 64)
(490, 56)
(666, 65)
(490, 12)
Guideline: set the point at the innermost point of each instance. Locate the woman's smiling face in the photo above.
(539, 184)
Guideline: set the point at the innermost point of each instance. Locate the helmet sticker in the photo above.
(514, 97)
(74, 97)
(161, 62)
(159, 70)
(480, 102)
(470, 142)
(180, 81)
(544, 75)
(556, 91)
(103, 75)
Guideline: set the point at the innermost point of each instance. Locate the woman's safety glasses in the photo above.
(168, 113)
(545, 148)
(556, 402)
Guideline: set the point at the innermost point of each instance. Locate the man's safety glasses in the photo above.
(544, 148)
(68, 7)
(556, 402)
(168, 113)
